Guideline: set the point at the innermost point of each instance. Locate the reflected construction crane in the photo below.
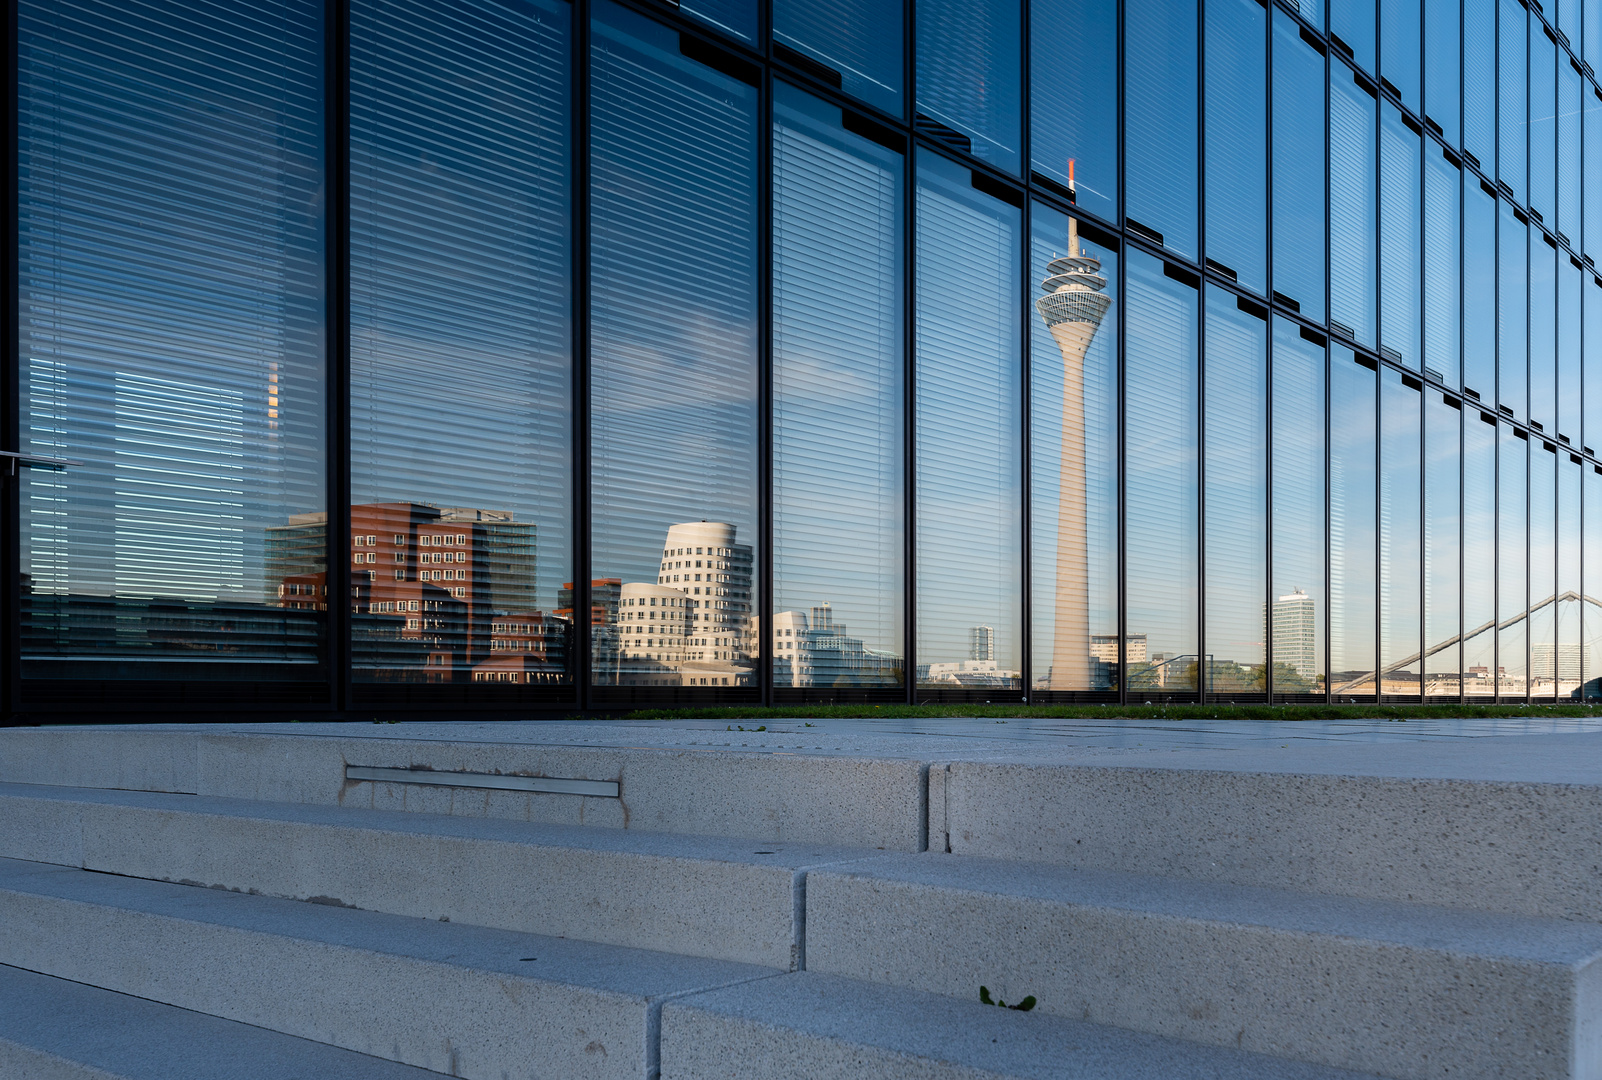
(1514, 620)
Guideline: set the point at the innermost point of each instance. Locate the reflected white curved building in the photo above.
(693, 626)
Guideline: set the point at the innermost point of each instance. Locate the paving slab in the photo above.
(51, 1029)
(809, 1026)
(708, 896)
(464, 1000)
(1401, 990)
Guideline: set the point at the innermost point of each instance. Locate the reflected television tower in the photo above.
(1073, 307)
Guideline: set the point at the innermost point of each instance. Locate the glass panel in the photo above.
(1479, 83)
(1591, 609)
(838, 436)
(1161, 479)
(1400, 48)
(1160, 141)
(1074, 100)
(1298, 190)
(738, 18)
(1353, 274)
(1400, 528)
(1568, 21)
(1511, 597)
(858, 40)
(1073, 388)
(1479, 554)
(1443, 418)
(459, 276)
(1512, 114)
(1591, 287)
(1543, 331)
(1237, 141)
(1443, 296)
(1592, 181)
(1351, 23)
(1401, 272)
(1479, 290)
(969, 424)
(1569, 648)
(181, 146)
(1543, 570)
(1442, 67)
(1570, 101)
(1592, 31)
(1352, 510)
(970, 76)
(1543, 126)
(1512, 312)
(1297, 581)
(673, 373)
(1571, 279)
(1236, 494)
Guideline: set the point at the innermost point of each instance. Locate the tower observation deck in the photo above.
(1073, 306)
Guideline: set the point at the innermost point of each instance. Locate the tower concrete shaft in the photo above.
(1073, 307)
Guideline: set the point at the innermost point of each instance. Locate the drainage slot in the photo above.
(607, 789)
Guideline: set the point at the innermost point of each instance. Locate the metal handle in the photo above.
(14, 459)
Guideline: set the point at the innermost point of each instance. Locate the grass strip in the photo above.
(1017, 711)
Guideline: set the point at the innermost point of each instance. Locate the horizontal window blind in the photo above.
(460, 339)
(171, 221)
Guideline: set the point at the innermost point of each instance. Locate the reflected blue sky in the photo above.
(969, 468)
(838, 444)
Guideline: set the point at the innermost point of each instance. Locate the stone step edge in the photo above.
(440, 996)
(359, 858)
(833, 1028)
(43, 1031)
(1391, 988)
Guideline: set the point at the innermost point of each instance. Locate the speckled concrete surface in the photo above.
(1516, 845)
(820, 1027)
(457, 999)
(1398, 989)
(723, 898)
(697, 777)
(874, 801)
(1493, 815)
(51, 1029)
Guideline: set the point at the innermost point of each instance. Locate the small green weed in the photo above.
(1023, 1006)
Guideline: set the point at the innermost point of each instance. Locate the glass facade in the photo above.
(548, 355)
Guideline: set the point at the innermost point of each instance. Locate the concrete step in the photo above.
(795, 789)
(464, 1000)
(1508, 824)
(808, 1026)
(51, 1029)
(716, 897)
(1401, 990)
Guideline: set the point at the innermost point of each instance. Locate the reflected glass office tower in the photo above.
(549, 355)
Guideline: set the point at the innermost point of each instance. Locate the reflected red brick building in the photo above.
(438, 594)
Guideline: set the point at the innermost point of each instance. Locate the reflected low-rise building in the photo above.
(811, 649)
